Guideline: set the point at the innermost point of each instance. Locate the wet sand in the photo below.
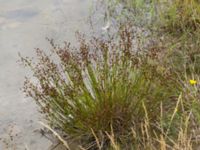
(24, 24)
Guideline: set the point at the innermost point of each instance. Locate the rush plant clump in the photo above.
(103, 95)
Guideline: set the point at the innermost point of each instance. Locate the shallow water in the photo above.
(24, 24)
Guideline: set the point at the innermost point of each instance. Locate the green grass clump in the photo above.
(105, 95)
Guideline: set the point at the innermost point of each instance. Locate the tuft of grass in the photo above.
(104, 95)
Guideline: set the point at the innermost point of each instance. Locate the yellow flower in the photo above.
(193, 82)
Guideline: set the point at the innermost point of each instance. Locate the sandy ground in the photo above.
(24, 24)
